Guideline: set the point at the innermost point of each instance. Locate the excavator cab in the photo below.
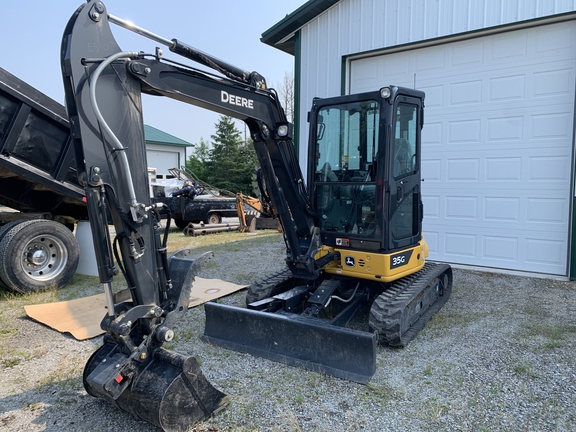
(364, 180)
(364, 169)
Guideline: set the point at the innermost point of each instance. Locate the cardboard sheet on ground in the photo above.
(81, 317)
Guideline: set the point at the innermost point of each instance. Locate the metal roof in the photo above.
(156, 136)
(281, 34)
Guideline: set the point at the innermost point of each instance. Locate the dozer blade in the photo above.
(169, 391)
(301, 342)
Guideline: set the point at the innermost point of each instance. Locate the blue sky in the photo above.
(31, 32)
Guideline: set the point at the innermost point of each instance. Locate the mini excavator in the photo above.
(355, 269)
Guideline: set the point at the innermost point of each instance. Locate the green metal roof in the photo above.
(281, 34)
(156, 136)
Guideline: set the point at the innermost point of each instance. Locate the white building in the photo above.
(164, 151)
(498, 140)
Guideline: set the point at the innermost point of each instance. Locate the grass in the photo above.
(228, 240)
(525, 369)
(447, 320)
(378, 394)
(553, 336)
(435, 408)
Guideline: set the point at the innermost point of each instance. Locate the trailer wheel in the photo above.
(36, 255)
(213, 218)
(3, 230)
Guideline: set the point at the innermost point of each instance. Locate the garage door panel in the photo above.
(515, 56)
(546, 254)
(550, 83)
(526, 83)
(460, 246)
(487, 172)
(500, 248)
(513, 127)
(503, 215)
(162, 160)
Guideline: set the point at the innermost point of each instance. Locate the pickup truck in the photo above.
(186, 208)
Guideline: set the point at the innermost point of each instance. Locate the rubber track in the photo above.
(388, 309)
(270, 285)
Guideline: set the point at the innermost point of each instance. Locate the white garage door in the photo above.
(162, 160)
(497, 144)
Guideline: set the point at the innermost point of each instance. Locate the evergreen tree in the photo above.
(197, 162)
(232, 161)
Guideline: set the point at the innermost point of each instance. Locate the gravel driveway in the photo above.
(501, 355)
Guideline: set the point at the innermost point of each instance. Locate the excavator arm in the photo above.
(239, 94)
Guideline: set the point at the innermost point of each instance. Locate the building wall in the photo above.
(360, 26)
(163, 157)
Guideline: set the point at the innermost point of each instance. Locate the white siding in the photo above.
(354, 26)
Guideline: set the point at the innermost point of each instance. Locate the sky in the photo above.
(31, 33)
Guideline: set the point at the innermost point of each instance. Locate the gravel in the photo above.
(500, 355)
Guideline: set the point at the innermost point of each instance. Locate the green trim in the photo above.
(572, 236)
(283, 29)
(572, 260)
(343, 73)
(297, 81)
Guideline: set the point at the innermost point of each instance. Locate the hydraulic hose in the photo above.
(115, 141)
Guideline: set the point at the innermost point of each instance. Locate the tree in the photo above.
(231, 160)
(286, 93)
(198, 160)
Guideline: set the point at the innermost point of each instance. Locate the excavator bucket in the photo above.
(306, 343)
(169, 391)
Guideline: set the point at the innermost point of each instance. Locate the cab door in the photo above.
(404, 195)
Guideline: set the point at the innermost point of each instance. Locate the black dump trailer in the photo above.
(40, 194)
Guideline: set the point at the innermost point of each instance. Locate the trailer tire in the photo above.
(36, 255)
(3, 230)
(213, 218)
